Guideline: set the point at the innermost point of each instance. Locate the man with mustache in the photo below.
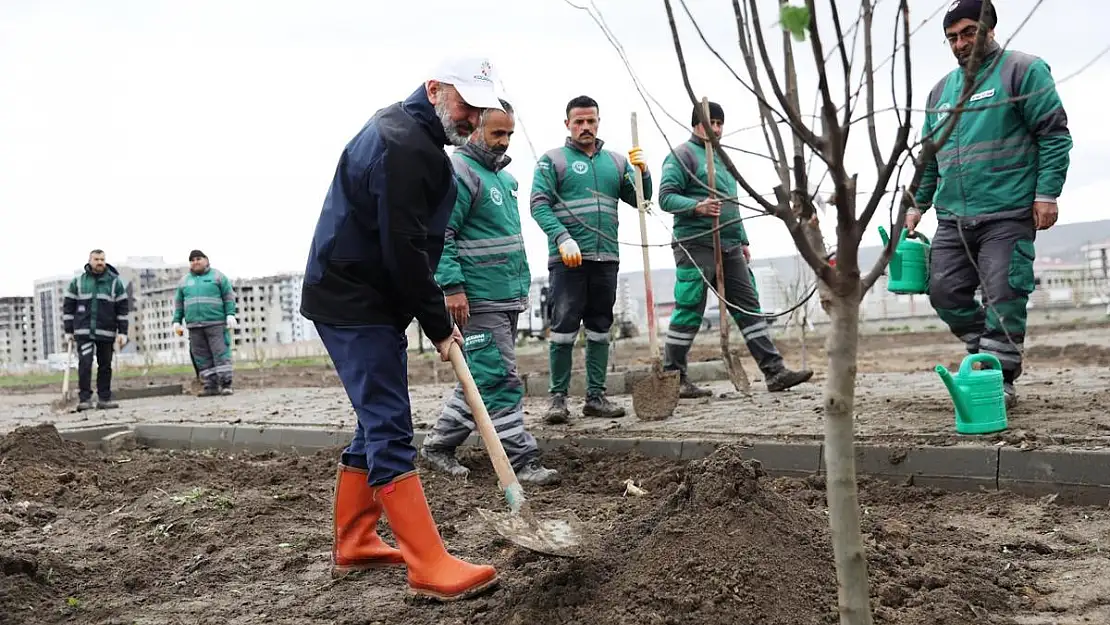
(994, 183)
(575, 191)
(370, 271)
(484, 272)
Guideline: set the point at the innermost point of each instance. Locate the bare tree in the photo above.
(841, 283)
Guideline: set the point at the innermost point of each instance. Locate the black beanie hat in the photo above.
(196, 254)
(715, 112)
(969, 9)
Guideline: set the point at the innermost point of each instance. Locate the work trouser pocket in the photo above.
(1021, 278)
(484, 359)
(689, 288)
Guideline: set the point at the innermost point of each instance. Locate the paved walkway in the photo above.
(1069, 407)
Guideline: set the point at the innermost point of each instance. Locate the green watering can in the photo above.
(909, 264)
(978, 395)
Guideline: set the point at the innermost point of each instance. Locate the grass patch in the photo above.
(126, 372)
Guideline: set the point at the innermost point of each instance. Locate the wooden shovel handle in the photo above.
(641, 205)
(711, 175)
(505, 474)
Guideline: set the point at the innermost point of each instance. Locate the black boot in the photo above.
(786, 378)
(687, 390)
(557, 412)
(599, 406)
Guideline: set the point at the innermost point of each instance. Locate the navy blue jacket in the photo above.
(380, 233)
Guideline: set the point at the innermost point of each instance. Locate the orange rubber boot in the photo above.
(432, 571)
(355, 515)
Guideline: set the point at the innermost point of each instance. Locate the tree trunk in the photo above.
(840, 460)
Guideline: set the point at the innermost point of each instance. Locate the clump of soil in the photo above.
(718, 546)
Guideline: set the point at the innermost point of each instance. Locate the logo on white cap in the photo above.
(472, 77)
(484, 72)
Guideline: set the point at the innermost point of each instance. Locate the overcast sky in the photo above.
(151, 127)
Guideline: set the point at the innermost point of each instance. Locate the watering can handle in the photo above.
(916, 235)
(965, 366)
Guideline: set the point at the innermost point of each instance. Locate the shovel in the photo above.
(654, 394)
(66, 403)
(553, 535)
(736, 373)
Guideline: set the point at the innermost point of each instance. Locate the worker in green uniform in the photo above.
(575, 192)
(993, 183)
(205, 303)
(485, 278)
(684, 192)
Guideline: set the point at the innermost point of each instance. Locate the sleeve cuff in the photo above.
(454, 289)
(1051, 199)
(561, 238)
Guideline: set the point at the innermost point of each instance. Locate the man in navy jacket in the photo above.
(371, 271)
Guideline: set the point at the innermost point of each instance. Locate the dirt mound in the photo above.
(40, 442)
(719, 545)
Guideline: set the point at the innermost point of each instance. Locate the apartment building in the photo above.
(18, 340)
(270, 307)
(1097, 257)
(146, 275)
(48, 300)
(268, 315)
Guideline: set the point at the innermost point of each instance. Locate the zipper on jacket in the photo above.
(597, 198)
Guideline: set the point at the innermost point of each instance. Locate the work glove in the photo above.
(178, 330)
(121, 340)
(636, 157)
(571, 254)
(68, 338)
(232, 322)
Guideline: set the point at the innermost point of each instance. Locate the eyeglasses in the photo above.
(968, 33)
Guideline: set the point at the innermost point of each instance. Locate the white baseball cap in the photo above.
(472, 77)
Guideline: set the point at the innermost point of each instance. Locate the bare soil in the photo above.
(154, 536)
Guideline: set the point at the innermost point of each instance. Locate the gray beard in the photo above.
(453, 136)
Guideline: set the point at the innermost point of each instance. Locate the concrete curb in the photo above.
(1077, 476)
(620, 382)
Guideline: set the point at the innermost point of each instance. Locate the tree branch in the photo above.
(869, 74)
(743, 182)
(847, 66)
(770, 128)
(796, 123)
(901, 140)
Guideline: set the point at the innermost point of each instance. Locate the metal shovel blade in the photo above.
(655, 394)
(736, 374)
(558, 534)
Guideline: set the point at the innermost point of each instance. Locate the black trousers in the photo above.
(103, 352)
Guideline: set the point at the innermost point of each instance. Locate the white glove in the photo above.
(232, 322)
(68, 338)
(570, 252)
(178, 330)
(121, 339)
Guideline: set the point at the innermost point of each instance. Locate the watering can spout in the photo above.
(882, 233)
(957, 396)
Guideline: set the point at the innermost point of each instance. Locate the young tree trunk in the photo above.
(840, 460)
